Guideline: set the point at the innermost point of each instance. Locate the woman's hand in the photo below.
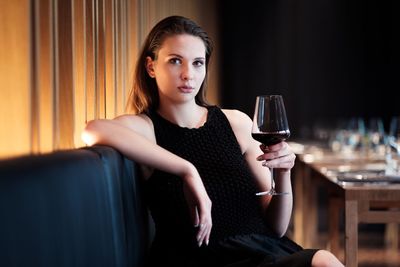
(278, 210)
(278, 156)
(199, 205)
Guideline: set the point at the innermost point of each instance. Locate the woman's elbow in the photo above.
(91, 134)
(278, 231)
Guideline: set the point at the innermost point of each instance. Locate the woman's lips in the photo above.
(186, 89)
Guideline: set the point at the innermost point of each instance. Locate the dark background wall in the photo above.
(330, 59)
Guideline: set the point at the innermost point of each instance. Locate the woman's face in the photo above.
(179, 69)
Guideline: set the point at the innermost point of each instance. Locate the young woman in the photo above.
(201, 165)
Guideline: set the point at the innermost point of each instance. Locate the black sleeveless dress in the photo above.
(239, 236)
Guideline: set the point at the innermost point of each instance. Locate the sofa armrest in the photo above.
(80, 207)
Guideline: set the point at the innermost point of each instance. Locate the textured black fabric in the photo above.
(263, 251)
(214, 150)
(236, 210)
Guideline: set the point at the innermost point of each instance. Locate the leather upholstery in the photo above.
(80, 207)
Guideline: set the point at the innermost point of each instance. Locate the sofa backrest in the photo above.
(80, 207)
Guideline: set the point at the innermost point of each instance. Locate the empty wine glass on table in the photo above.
(394, 133)
(353, 135)
(270, 127)
(376, 136)
(393, 147)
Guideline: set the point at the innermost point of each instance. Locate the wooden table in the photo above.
(362, 202)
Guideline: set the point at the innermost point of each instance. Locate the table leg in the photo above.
(392, 236)
(310, 210)
(335, 205)
(299, 210)
(351, 238)
(305, 215)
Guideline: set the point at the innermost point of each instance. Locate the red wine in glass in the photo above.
(272, 138)
(270, 127)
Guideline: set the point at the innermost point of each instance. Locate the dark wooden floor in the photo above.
(372, 251)
(370, 257)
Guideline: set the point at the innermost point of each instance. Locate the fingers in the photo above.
(277, 156)
(203, 234)
(199, 205)
(194, 215)
(204, 224)
(279, 163)
(275, 151)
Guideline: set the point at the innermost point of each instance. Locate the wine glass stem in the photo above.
(272, 190)
(272, 180)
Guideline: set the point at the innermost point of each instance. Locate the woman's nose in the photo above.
(187, 73)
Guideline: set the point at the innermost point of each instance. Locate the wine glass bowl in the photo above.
(270, 126)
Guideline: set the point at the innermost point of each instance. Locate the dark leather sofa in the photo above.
(79, 207)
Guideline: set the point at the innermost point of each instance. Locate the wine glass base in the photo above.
(271, 192)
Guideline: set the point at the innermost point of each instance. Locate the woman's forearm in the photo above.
(279, 210)
(135, 147)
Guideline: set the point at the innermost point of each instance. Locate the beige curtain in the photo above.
(64, 62)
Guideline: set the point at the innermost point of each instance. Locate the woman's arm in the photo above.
(278, 209)
(134, 137)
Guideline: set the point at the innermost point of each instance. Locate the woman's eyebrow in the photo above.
(177, 55)
(174, 55)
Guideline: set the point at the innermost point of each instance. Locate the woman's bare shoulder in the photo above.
(140, 123)
(130, 120)
(241, 125)
(238, 119)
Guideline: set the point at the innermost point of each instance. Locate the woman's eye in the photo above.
(198, 63)
(175, 61)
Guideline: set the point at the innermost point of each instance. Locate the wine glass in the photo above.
(353, 135)
(394, 133)
(270, 127)
(393, 143)
(376, 136)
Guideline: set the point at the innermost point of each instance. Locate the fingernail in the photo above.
(259, 158)
(265, 164)
(200, 243)
(207, 242)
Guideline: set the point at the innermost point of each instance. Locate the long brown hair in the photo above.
(144, 93)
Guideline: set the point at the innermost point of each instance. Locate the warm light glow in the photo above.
(344, 168)
(87, 138)
(308, 158)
